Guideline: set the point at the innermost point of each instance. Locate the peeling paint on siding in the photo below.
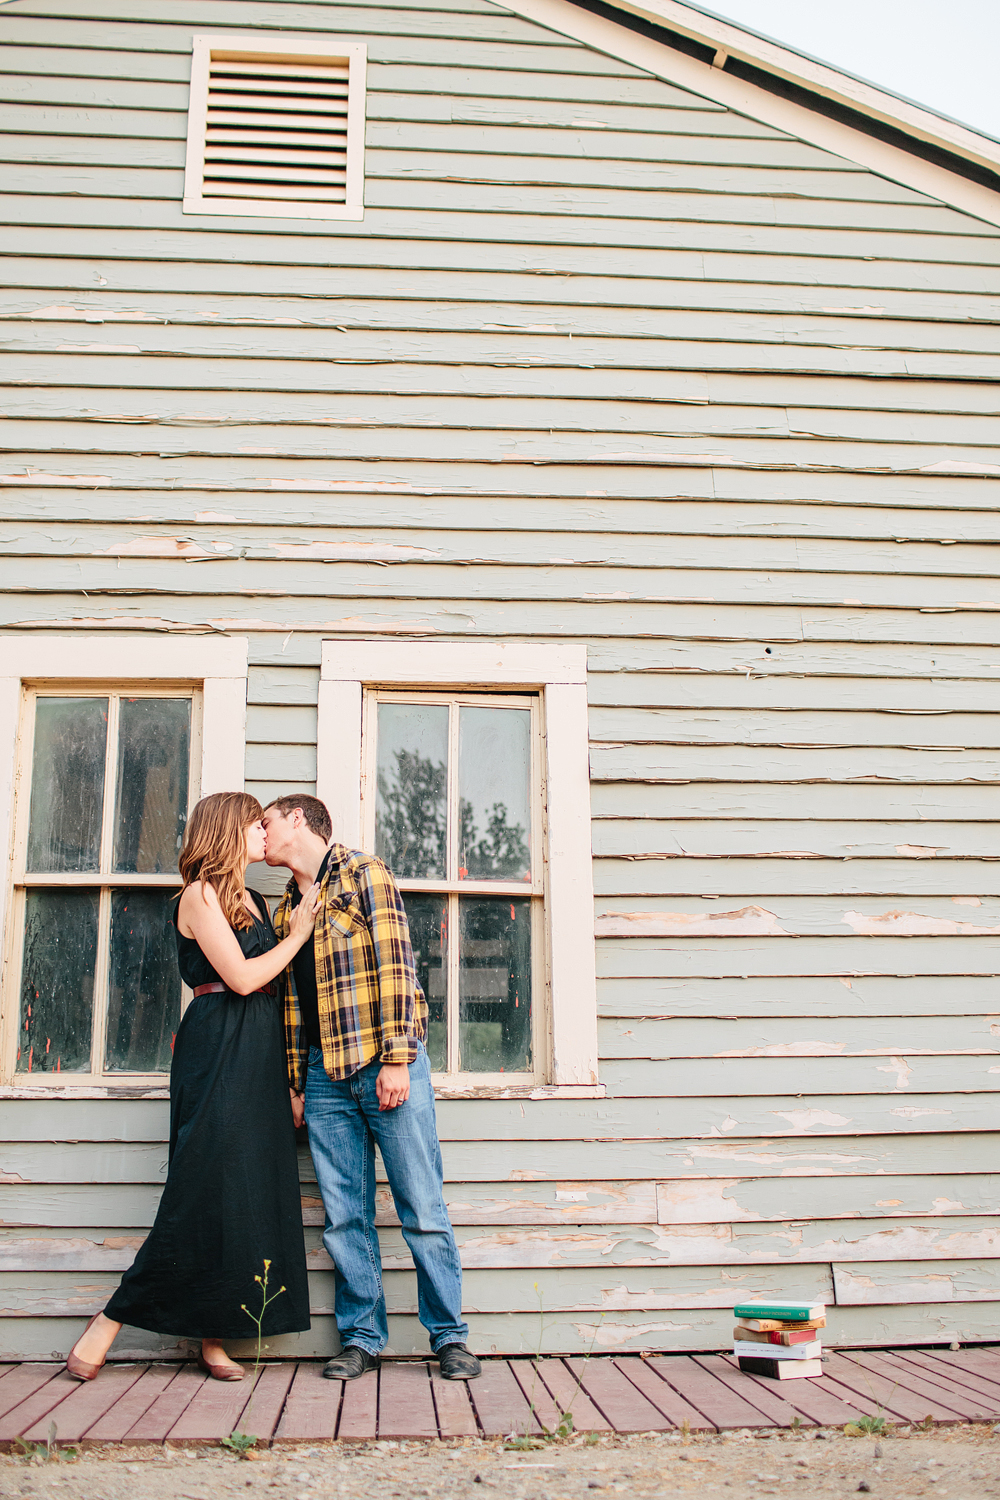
(748, 921)
(912, 924)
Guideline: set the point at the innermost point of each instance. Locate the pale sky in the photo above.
(944, 56)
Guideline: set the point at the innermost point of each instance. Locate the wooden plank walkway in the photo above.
(292, 1403)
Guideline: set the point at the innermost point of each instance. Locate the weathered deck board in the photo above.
(122, 1415)
(405, 1403)
(770, 1397)
(359, 1408)
(501, 1405)
(456, 1417)
(528, 1374)
(663, 1396)
(292, 1402)
(622, 1403)
(885, 1394)
(158, 1419)
(265, 1406)
(959, 1367)
(982, 1396)
(983, 1361)
(22, 1381)
(214, 1410)
(569, 1396)
(43, 1400)
(312, 1406)
(78, 1411)
(814, 1400)
(722, 1406)
(939, 1397)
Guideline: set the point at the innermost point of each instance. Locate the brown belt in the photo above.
(220, 989)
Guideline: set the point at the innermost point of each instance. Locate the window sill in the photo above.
(156, 1088)
(520, 1091)
(131, 1088)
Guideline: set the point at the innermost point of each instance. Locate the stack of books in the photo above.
(779, 1339)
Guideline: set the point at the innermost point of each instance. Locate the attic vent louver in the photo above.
(276, 127)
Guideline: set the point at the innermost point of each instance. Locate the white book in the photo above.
(783, 1369)
(812, 1350)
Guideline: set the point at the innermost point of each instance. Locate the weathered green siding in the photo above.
(603, 362)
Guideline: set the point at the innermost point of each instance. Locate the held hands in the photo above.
(298, 1108)
(303, 918)
(392, 1085)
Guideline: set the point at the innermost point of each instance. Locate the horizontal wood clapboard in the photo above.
(603, 362)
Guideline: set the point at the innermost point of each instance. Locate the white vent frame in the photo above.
(276, 47)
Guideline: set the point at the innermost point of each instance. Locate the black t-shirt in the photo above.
(304, 969)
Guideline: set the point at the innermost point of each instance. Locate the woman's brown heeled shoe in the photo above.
(220, 1372)
(82, 1369)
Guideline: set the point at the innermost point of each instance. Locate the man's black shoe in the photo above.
(350, 1363)
(457, 1363)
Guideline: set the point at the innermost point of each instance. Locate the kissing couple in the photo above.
(316, 1017)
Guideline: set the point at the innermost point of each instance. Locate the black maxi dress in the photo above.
(231, 1198)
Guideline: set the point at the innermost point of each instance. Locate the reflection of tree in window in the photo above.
(412, 825)
(501, 854)
(152, 790)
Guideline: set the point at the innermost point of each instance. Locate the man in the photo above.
(355, 1022)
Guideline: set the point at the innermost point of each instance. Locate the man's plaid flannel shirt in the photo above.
(370, 1004)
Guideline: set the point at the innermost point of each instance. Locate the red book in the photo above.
(792, 1336)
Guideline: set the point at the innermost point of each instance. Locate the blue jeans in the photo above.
(344, 1127)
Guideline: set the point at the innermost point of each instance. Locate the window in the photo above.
(105, 743)
(457, 818)
(276, 127)
(96, 847)
(465, 766)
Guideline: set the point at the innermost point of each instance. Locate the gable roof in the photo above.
(778, 86)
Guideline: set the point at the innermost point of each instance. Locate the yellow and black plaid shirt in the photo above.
(370, 1004)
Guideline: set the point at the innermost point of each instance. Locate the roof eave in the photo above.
(818, 78)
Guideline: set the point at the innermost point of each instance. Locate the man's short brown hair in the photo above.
(313, 810)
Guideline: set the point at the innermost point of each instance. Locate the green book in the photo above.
(788, 1312)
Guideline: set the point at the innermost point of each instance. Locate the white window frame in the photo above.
(453, 891)
(272, 46)
(558, 674)
(216, 669)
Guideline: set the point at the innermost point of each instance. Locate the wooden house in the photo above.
(406, 400)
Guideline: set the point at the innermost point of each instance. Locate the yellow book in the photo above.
(774, 1325)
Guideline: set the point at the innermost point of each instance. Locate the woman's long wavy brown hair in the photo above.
(215, 847)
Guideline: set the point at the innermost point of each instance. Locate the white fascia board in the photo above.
(820, 78)
(898, 165)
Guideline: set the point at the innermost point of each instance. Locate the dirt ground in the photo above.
(957, 1462)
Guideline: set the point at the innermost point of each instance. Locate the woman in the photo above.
(231, 1201)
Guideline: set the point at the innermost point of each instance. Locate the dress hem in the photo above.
(186, 1333)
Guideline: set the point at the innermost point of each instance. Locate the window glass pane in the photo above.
(428, 919)
(67, 784)
(411, 816)
(493, 784)
(144, 996)
(494, 996)
(152, 789)
(57, 981)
